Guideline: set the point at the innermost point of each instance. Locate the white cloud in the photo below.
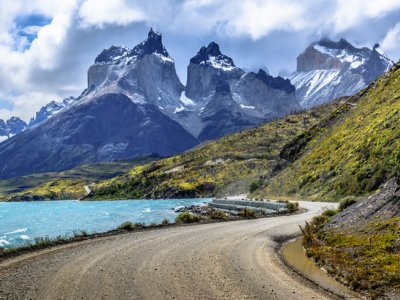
(392, 39)
(351, 12)
(102, 12)
(55, 64)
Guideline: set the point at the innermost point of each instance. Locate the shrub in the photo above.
(248, 213)
(292, 206)
(255, 185)
(218, 215)
(329, 212)
(346, 202)
(187, 217)
(165, 222)
(129, 226)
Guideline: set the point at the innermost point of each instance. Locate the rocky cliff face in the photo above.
(207, 69)
(221, 93)
(327, 70)
(145, 73)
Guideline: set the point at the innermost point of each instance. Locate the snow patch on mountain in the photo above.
(327, 70)
(185, 100)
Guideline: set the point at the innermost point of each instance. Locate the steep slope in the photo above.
(106, 128)
(360, 245)
(357, 154)
(225, 166)
(327, 70)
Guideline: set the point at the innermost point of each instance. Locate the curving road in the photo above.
(233, 260)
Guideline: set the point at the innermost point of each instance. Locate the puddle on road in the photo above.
(295, 255)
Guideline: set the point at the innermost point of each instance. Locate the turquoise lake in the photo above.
(20, 222)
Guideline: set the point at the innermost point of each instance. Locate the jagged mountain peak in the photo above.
(212, 56)
(117, 54)
(153, 44)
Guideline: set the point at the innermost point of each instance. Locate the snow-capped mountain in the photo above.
(11, 127)
(15, 125)
(146, 74)
(221, 98)
(50, 110)
(327, 70)
(120, 115)
(135, 105)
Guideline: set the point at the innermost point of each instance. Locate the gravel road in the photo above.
(232, 260)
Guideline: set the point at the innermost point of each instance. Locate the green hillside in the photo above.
(357, 155)
(230, 165)
(64, 185)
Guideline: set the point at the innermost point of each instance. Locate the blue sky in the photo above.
(47, 46)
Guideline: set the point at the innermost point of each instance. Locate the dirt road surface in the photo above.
(231, 260)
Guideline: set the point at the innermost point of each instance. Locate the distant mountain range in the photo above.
(327, 70)
(135, 104)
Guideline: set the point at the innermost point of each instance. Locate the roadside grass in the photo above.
(129, 226)
(367, 259)
(45, 242)
(292, 206)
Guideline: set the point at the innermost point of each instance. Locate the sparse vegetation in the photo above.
(165, 222)
(248, 213)
(291, 206)
(346, 202)
(367, 258)
(130, 226)
(218, 215)
(187, 217)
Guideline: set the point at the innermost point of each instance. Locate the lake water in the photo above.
(20, 222)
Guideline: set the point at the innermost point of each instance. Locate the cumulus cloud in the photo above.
(391, 41)
(44, 62)
(103, 12)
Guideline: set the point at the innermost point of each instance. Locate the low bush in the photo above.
(292, 206)
(187, 217)
(218, 215)
(248, 213)
(346, 202)
(129, 226)
(165, 222)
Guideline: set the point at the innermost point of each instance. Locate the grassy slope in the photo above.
(226, 166)
(64, 185)
(366, 257)
(356, 155)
